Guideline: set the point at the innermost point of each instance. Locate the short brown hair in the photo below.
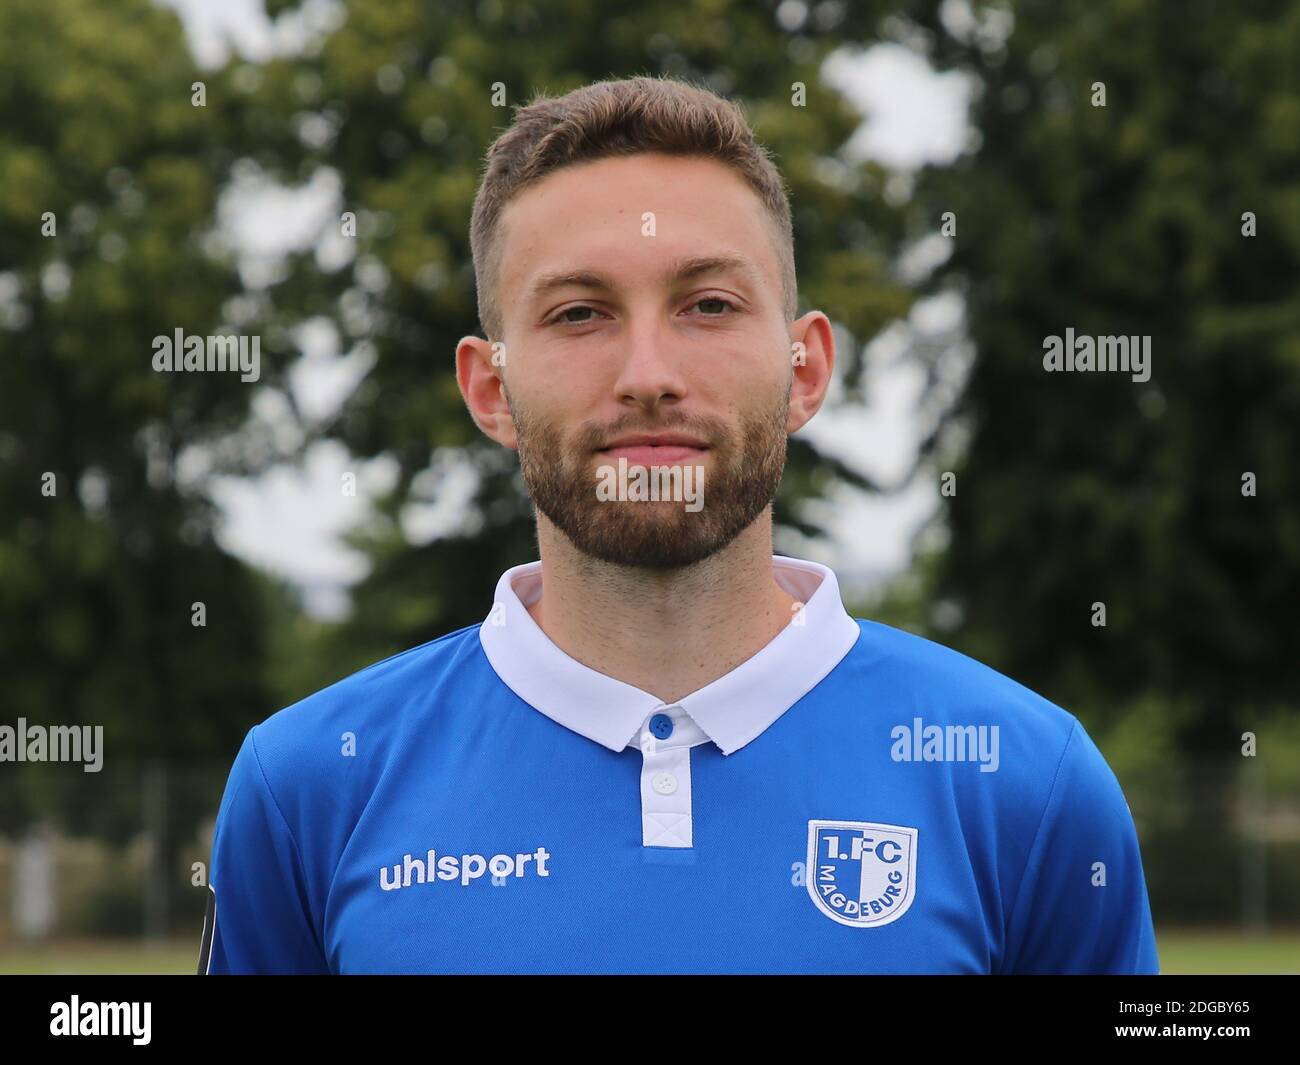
(612, 118)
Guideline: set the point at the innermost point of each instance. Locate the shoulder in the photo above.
(933, 677)
(354, 717)
(937, 705)
(1042, 789)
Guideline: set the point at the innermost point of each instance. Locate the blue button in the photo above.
(662, 726)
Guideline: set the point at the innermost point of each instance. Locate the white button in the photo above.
(664, 783)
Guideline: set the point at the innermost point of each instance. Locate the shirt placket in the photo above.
(665, 739)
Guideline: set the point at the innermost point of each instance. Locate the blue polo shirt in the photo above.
(851, 799)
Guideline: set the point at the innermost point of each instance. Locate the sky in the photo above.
(290, 519)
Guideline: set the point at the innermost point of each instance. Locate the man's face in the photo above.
(637, 348)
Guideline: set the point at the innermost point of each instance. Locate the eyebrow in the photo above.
(679, 270)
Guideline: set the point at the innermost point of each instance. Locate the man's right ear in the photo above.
(480, 373)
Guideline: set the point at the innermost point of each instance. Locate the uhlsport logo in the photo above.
(860, 873)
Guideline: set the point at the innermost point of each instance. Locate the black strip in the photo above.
(209, 927)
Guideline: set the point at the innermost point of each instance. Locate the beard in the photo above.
(744, 470)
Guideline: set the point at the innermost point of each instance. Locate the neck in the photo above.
(669, 633)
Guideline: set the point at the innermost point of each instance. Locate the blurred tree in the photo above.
(109, 176)
(1126, 219)
(1135, 175)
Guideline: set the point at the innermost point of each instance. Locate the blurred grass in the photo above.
(1228, 952)
(1182, 953)
(101, 957)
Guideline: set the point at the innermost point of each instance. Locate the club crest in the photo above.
(860, 873)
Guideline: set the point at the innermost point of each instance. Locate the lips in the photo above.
(655, 448)
(649, 455)
(655, 440)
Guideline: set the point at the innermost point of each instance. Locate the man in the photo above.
(665, 749)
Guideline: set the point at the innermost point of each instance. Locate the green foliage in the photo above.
(108, 182)
(1127, 220)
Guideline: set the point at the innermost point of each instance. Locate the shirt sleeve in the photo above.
(258, 920)
(1082, 904)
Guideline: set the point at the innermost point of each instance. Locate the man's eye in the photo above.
(562, 319)
(715, 299)
(559, 319)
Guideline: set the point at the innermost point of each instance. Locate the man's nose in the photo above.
(651, 367)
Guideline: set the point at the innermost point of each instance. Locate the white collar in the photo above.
(731, 710)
